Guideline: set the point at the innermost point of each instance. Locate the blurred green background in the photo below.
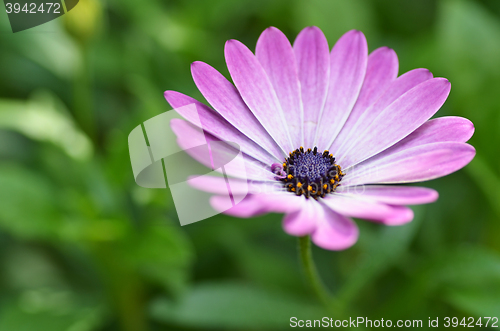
(82, 247)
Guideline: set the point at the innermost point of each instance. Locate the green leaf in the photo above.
(50, 309)
(44, 118)
(487, 180)
(466, 277)
(161, 253)
(235, 306)
(466, 266)
(470, 276)
(26, 203)
(479, 302)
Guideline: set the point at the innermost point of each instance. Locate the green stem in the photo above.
(312, 273)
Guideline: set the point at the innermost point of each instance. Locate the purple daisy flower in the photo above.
(325, 134)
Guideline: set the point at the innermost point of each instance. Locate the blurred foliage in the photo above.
(82, 247)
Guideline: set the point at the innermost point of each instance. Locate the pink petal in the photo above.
(360, 207)
(258, 92)
(334, 231)
(190, 136)
(437, 130)
(216, 125)
(217, 185)
(226, 100)
(275, 54)
(382, 70)
(258, 204)
(313, 61)
(351, 131)
(348, 61)
(303, 221)
(398, 120)
(393, 195)
(415, 164)
(245, 208)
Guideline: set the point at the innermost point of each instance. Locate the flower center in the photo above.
(311, 173)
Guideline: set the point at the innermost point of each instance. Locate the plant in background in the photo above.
(323, 133)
